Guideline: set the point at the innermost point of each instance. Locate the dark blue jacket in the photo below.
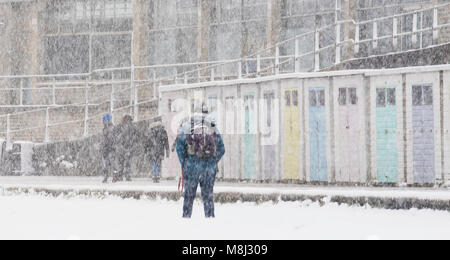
(193, 164)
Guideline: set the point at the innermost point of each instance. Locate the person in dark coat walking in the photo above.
(156, 147)
(126, 138)
(108, 147)
(199, 160)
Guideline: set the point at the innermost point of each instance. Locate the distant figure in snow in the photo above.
(200, 148)
(252, 64)
(156, 146)
(126, 138)
(108, 147)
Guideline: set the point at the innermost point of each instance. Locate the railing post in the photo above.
(136, 104)
(111, 107)
(212, 74)
(132, 90)
(86, 110)
(375, 35)
(357, 39)
(435, 25)
(394, 32)
(185, 80)
(316, 51)
(8, 130)
(21, 92)
(258, 65)
(277, 59)
(47, 126)
(414, 29)
(154, 85)
(54, 92)
(246, 67)
(157, 89)
(338, 43)
(297, 55)
(240, 69)
(421, 28)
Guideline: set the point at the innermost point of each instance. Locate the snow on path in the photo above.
(145, 185)
(39, 217)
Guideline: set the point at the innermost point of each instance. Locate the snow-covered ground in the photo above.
(39, 217)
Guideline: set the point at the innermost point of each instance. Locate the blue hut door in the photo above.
(249, 137)
(387, 151)
(317, 129)
(423, 132)
(269, 149)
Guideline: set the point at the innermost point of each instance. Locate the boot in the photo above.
(105, 180)
(117, 178)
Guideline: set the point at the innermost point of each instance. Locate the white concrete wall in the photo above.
(446, 122)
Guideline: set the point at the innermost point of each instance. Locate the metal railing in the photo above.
(84, 98)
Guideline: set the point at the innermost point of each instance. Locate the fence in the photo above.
(65, 107)
(326, 47)
(73, 109)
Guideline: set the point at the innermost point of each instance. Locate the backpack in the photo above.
(202, 139)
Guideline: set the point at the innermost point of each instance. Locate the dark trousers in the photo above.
(206, 179)
(125, 164)
(108, 164)
(156, 168)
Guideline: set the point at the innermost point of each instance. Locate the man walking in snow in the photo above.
(126, 138)
(200, 148)
(108, 147)
(156, 147)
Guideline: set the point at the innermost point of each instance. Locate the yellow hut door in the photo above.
(291, 135)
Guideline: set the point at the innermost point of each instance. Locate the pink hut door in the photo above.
(349, 135)
(231, 141)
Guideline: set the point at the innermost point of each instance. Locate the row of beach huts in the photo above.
(365, 127)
